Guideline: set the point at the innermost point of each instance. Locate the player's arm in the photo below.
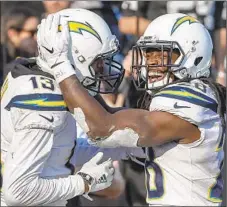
(124, 128)
(137, 127)
(30, 148)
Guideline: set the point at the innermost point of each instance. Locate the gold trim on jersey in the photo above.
(182, 93)
(164, 188)
(215, 200)
(4, 87)
(221, 139)
(189, 95)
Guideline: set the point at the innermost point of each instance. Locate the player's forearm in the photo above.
(220, 48)
(98, 123)
(23, 184)
(77, 98)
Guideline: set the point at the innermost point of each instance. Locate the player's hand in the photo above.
(116, 139)
(97, 176)
(54, 46)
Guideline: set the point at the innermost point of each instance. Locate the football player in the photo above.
(38, 131)
(183, 125)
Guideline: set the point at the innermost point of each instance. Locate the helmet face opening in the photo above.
(106, 76)
(154, 61)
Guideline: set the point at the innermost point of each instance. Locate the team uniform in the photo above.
(38, 140)
(187, 174)
(177, 174)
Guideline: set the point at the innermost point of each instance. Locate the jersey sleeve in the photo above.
(30, 148)
(193, 102)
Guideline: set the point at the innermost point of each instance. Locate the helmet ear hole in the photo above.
(198, 60)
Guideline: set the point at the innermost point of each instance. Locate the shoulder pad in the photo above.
(196, 93)
(32, 90)
(193, 101)
(26, 66)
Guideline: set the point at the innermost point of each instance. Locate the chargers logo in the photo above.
(182, 20)
(78, 27)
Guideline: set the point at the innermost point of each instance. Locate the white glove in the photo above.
(119, 138)
(97, 176)
(54, 47)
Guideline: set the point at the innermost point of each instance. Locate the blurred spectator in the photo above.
(201, 10)
(55, 6)
(35, 6)
(136, 16)
(18, 34)
(220, 40)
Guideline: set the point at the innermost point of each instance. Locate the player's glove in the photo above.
(53, 47)
(97, 176)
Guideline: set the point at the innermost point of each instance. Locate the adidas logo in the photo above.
(102, 179)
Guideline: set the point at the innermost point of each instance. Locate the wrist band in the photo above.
(63, 71)
(89, 180)
(86, 177)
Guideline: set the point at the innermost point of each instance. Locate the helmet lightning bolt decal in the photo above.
(78, 27)
(182, 20)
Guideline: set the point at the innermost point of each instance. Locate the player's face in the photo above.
(55, 6)
(30, 28)
(98, 66)
(154, 59)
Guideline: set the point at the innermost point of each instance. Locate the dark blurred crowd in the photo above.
(127, 20)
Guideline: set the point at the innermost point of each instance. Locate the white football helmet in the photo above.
(91, 40)
(174, 32)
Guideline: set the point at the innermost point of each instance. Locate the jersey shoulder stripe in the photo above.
(4, 87)
(189, 95)
(39, 102)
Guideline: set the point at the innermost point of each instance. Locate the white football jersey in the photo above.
(187, 174)
(37, 140)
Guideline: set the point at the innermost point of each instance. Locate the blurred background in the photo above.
(127, 20)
